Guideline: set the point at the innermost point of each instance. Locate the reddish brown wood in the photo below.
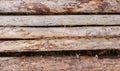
(60, 6)
(84, 63)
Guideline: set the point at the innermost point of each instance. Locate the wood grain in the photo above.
(66, 63)
(59, 20)
(59, 44)
(43, 32)
(59, 6)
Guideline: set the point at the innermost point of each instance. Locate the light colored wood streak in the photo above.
(59, 63)
(59, 20)
(59, 6)
(59, 44)
(28, 32)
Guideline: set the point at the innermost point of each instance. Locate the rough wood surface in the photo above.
(60, 6)
(36, 32)
(59, 44)
(59, 20)
(84, 63)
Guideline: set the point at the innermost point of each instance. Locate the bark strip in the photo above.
(59, 6)
(84, 63)
(58, 32)
(59, 44)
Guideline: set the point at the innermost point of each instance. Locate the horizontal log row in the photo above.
(34, 32)
(84, 63)
(59, 20)
(60, 6)
(59, 44)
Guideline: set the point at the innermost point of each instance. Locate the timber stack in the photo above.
(30, 28)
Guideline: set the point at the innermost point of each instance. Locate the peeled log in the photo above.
(59, 6)
(43, 32)
(59, 44)
(50, 63)
(59, 20)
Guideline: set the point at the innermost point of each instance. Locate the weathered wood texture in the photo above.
(59, 20)
(60, 6)
(28, 32)
(84, 63)
(59, 44)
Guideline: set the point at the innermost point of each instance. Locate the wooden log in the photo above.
(28, 32)
(62, 20)
(59, 6)
(59, 44)
(85, 63)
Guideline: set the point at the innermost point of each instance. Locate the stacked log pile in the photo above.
(59, 25)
